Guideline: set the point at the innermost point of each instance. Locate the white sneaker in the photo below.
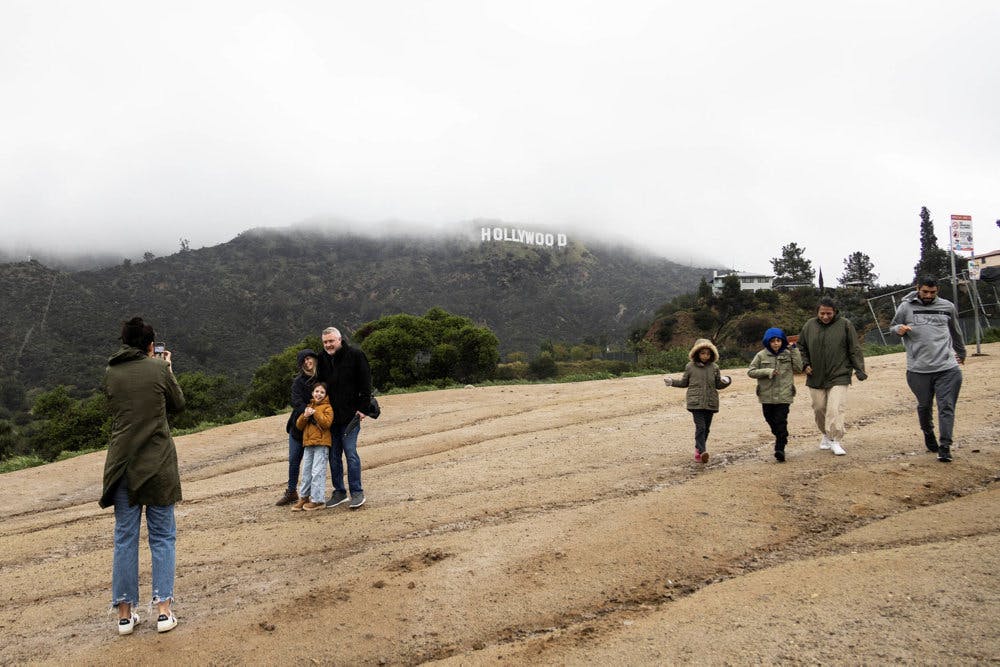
(825, 442)
(127, 625)
(166, 623)
(837, 449)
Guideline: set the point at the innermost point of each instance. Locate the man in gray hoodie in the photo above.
(935, 348)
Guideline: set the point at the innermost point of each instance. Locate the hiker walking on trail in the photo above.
(831, 353)
(935, 348)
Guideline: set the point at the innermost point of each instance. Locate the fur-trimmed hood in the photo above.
(700, 344)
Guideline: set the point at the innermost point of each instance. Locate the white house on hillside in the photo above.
(748, 281)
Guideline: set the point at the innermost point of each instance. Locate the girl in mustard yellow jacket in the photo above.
(314, 422)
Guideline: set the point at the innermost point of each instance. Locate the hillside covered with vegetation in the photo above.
(227, 308)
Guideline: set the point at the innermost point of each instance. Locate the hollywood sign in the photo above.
(523, 236)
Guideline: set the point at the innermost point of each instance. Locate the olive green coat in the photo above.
(775, 375)
(141, 390)
(833, 351)
(702, 380)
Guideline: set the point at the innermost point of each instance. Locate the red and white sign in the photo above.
(961, 233)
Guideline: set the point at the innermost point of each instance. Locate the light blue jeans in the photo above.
(162, 545)
(312, 484)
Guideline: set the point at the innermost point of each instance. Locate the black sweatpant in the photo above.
(776, 416)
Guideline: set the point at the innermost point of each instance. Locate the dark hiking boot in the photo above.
(287, 499)
(944, 454)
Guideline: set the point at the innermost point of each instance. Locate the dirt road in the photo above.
(555, 524)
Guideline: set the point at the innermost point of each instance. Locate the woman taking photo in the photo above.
(141, 471)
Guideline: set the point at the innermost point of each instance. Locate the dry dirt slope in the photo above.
(559, 524)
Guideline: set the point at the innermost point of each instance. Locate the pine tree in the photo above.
(933, 260)
(858, 270)
(792, 268)
(704, 289)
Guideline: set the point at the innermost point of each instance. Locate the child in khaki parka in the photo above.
(774, 368)
(703, 381)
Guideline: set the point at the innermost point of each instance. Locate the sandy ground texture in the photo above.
(547, 524)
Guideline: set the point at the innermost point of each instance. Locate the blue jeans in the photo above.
(162, 538)
(345, 444)
(294, 461)
(313, 483)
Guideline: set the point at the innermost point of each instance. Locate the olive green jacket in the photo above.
(775, 375)
(833, 352)
(702, 380)
(141, 390)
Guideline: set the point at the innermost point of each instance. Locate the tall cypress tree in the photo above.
(933, 260)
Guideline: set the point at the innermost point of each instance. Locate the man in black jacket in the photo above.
(348, 378)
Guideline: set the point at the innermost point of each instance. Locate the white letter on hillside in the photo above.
(497, 234)
(562, 240)
(485, 234)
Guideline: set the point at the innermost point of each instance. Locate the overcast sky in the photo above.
(709, 132)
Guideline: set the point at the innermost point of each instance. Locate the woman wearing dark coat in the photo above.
(141, 471)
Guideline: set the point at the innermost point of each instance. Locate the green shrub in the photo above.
(543, 366)
(208, 398)
(665, 328)
(705, 319)
(517, 370)
(64, 423)
(584, 377)
(672, 360)
(751, 328)
(270, 388)
(20, 463)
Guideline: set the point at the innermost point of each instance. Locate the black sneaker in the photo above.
(944, 454)
(337, 498)
(287, 499)
(930, 442)
(779, 456)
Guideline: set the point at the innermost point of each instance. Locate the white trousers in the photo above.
(828, 407)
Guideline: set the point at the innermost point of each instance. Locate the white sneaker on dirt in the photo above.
(825, 442)
(127, 625)
(166, 623)
(837, 449)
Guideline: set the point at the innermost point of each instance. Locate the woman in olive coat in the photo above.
(141, 471)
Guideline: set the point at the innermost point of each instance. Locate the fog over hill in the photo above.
(227, 308)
